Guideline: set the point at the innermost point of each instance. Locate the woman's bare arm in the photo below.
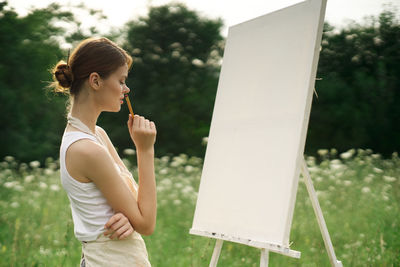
(95, 163)
(111, 148)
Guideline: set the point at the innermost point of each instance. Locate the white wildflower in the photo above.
(19, 188)
(389, 179)
(14, 205)
(204, 141)
(197, 62)
(10, 184)
(163, 171)
(175, 164)
(53, 166)
(34, 164)
(376, 156)
(183, 59)
(9, 158)
(377, 170)
(42, 185)
(347, 183)
(176, 54)
(165, 159)
(347, 154)
(136, 51)
(311, 160)
(48, 171)
(189, 168)
(365, 190)
(178, 161)
(166, 182)
(177, 202)
(369, 178)
(336, 164)
(44, 251)
(322, 152)
(23, 166)
(187, 189)
(54, 187)
(175, 45)
(155, 57)
(129, 151)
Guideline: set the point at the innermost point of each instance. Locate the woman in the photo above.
(109, 209)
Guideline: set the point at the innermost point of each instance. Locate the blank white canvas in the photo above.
(257, 136)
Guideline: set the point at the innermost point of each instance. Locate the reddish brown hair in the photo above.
(92, 55)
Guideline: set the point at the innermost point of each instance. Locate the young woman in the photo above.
(109, 209)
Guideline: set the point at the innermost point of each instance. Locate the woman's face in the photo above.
(114, 89)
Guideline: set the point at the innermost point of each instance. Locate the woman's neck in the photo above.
(86, 112)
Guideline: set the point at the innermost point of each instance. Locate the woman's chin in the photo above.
(114, 109)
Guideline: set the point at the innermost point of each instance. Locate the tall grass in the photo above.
(359, 193)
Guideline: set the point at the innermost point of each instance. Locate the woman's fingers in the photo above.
(121, 230)
(143, 133)
(152, 125)
(130, 123)
(126, 234)
(136, 121)
(117, 225)
(116, 217)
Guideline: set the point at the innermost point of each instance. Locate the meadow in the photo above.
(359, 193)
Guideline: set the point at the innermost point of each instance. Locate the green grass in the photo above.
(359, 193)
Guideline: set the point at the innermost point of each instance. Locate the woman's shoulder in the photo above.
(101, 131)
(85, 157)
(85, 148)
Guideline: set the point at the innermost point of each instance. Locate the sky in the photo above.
(338, 12)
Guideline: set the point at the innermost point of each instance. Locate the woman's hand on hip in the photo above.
(143, 132)
(118, 226)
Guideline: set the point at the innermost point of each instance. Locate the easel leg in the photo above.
(320, 217)
(217, 251)
(264, 257)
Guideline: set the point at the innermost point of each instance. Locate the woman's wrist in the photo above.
(148, 151)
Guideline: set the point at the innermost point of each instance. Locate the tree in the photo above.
(359, 94)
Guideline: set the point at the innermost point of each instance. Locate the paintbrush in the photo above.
(128, 102)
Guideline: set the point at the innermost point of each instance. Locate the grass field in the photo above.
(359, 193)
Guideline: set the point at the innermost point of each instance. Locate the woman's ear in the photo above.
(94, 80)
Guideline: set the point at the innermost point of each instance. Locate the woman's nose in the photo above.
(126, 89)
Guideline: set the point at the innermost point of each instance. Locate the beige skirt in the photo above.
(104, 251)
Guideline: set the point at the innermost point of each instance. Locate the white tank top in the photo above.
(90, 210)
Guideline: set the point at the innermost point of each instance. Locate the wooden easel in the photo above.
(321, 222)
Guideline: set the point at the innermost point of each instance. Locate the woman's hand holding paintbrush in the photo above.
(142, 131)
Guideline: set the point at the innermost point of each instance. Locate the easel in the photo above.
(321, 222)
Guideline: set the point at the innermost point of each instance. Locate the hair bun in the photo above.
(63, 74)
